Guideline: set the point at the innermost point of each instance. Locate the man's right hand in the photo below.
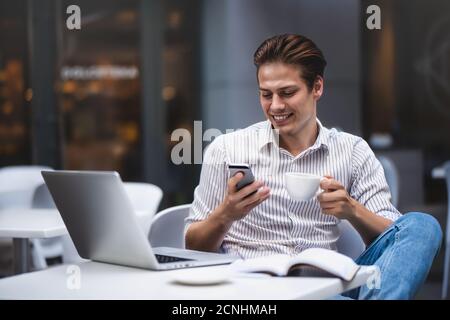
(208, 234)
(238, 203)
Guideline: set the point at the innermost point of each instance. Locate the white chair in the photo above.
(445, 279)
(49, 248)
(145, 198)
(167, 228)
(42, 199)
(17, 185)
(392, 177)
(350, 242)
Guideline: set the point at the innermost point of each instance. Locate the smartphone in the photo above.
(247, 172)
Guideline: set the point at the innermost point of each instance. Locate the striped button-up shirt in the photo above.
(281, 224)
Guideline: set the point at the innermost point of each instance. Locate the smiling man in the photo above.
(261, 218)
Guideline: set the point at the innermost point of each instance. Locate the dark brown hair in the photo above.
(295, 50)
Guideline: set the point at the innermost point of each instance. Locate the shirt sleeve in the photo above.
(369, 186)
(212, 187)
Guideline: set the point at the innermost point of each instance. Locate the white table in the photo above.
(106, 281)
(21, 224)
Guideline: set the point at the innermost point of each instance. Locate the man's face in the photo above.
(286, 99)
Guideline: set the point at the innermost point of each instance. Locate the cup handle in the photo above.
(320, 190)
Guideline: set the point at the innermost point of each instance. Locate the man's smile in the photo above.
(280, 119)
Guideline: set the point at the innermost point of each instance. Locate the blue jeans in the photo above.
(404, 253)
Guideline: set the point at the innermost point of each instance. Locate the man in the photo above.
(290, 78)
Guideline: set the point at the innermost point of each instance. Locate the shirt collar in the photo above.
(270, 136)
(322, 140)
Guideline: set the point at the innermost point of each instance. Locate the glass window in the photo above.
(99, 88)
(15, 95)
(181, 78)
(406, 82)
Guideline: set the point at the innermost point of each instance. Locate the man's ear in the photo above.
(318, 87)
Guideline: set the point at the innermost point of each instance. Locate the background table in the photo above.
(23, 224)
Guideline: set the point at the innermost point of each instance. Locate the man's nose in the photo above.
(277, 103)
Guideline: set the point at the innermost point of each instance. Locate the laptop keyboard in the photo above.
(167, 259)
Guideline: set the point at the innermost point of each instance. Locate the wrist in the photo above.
(220, 218)
(359, 212)
(355, 210)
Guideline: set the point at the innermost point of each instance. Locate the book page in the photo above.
(327, 260)
(275, 264)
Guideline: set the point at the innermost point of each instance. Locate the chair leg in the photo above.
(446, 271)
(445, 278)
(447, 236)
(21, 255)
(39, 262)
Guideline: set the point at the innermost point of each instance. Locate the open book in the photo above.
(311, 262)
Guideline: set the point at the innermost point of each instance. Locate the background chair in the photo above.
(167, 228)
(350, 242)
(145, 198)
(50, 248)
(392, 178)
(17, 185)
(445, 279)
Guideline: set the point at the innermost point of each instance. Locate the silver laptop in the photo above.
(101, 221)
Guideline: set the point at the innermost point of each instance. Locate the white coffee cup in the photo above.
(302, 186)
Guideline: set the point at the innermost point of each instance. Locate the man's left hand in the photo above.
(335, 200)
